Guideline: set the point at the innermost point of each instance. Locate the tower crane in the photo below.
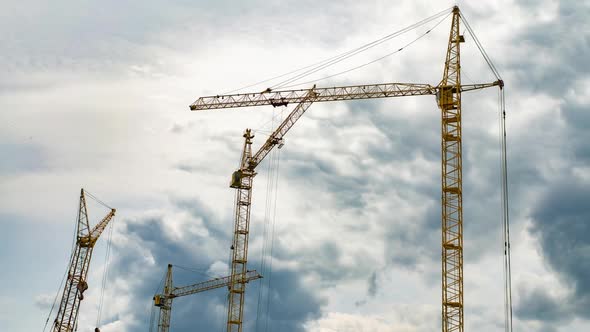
(76, 281)
(164, 301)
(448, 96)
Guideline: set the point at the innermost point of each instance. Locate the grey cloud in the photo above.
(291, 303)
(407, 143)
(187, 167)
(22, 158)
(422, 235)
(177, 128)
(360, 303)
(537, 304)
(560, 49)
(578, 136)
(202, 311)
(322, 259)
(118, 37)
(414, 241)
(348, 189)
(372, 285)
(199, 210)
(104, 36)
(561, 222)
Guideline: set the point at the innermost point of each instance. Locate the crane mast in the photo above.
(242, 181)
(448, 96)
(452, 184)
(164, 301)
(76, 281)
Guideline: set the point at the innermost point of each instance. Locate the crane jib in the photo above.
(284, 98)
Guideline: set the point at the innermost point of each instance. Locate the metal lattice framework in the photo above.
(240, 242)
(352, 92)
(452, 191)
(76, 281)
(448, 94)
(164, 301)
(242, 181)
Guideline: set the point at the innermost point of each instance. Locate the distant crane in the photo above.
(76, 281)
(164, 301)
(448, 96)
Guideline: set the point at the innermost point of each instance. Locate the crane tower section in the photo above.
(451, 175)
(76, 279)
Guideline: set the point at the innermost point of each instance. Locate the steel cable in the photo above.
(310, 69)
(105, 275)
(370, 62)
(74, 238)
(361, 49)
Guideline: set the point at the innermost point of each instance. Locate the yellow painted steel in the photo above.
(242, 181)
(76, 281)
(448, 93)
(164, 301)
(451, 174)
(171, 292)
(237, 288)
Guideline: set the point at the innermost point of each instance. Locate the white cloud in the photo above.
(101, 101)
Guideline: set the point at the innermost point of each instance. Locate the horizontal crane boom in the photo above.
(164, 301)
(213, 284)
(352, 92)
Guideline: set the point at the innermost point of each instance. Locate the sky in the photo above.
(96, 95)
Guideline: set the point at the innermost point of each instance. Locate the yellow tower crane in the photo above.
(164, 300)
(76, 281)
(448, 96)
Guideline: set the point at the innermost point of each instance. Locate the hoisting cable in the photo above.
(505, 218)
(264, 124)
(229, 265)
(264, 291)
(502, 202)
(263, 253)
(272, 239)
(507, 269)
(74, 238)
(370, 62)
(361, 49)
(105, 274)
(153, 314)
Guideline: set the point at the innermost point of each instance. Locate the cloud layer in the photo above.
(97, 96)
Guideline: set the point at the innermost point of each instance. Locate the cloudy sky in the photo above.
(96, 95)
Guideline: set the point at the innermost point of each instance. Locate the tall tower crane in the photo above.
(448, 96)
(76, 281)
(164, 301)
